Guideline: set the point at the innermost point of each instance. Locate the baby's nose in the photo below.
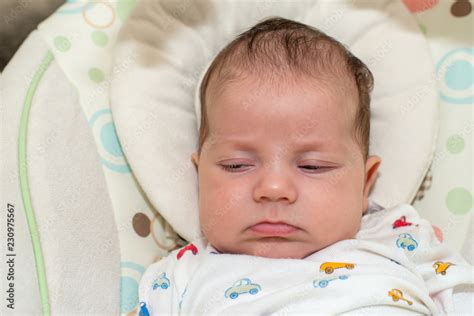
(275, 186)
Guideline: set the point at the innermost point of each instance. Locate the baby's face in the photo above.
(280, 174)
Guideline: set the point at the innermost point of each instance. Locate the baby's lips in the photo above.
(269, 229)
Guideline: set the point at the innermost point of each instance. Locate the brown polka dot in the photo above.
(461, 8)
(141, 224)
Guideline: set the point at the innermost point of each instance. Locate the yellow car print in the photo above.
(441, 267)
(396, 295)
(329, 267)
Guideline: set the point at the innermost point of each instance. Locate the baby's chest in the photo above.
(221, 286)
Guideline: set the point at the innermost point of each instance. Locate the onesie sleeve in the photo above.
(440, 267)
(156, 289)
(163, 285)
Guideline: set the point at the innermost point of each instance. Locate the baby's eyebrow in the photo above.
(324, 150)
(236, 142)
(299, 144)
(309, 143)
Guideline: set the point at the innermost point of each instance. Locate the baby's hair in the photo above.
(278, 46)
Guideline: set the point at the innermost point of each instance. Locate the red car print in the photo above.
(189, 247)
(401, 222)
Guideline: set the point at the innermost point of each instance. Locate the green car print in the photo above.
(324, 282)
(406, 241)
(242, 286)
(162, 282)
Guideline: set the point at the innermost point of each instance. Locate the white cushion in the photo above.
(165, 47)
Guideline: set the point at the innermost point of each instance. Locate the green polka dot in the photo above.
(62, 43)
(459, 201)
(124, 7)
(96, 75)
(455, 144)
(422, 28)
(100, 38)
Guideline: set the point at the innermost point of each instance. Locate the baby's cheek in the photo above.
(335, 218)
(350, 220)
(346, 188)
(214, 222)
(218, 233)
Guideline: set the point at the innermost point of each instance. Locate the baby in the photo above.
(284, 179)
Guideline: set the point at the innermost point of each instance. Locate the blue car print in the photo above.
(406, 241)
(143, 310)
(162, 282)
(242, 286)
(324, 282)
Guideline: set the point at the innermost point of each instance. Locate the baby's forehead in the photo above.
(259, 83)
(293, 108)
(297, 109)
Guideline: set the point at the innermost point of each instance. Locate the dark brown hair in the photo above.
(278, 45)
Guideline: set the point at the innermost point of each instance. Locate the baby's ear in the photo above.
(371, 171)
(195, 160)
(371, 167)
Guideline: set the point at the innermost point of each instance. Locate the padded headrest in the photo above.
(165, 47)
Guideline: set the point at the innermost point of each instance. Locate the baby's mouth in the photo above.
(269, 229)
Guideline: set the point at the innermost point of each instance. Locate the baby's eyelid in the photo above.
(235, 165)
(250, 163)
(319, 163)
(313, 167)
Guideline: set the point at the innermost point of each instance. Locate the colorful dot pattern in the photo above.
(448, 195)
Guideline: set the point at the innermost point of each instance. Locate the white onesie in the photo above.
(395, 264)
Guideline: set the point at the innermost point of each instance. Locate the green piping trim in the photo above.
(24, 185)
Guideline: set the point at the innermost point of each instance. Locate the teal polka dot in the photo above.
(459, 201)
(124, 7)
(459, 75)
(110, 141)
(62, 43)
(128, 294)
(455, 144)
(96, 75)
(99, 38)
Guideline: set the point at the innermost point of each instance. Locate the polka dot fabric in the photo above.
(448, 201)
(81, 35)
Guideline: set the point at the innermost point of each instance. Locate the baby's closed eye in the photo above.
(313, 168)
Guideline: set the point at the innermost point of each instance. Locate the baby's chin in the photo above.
(271, 247)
